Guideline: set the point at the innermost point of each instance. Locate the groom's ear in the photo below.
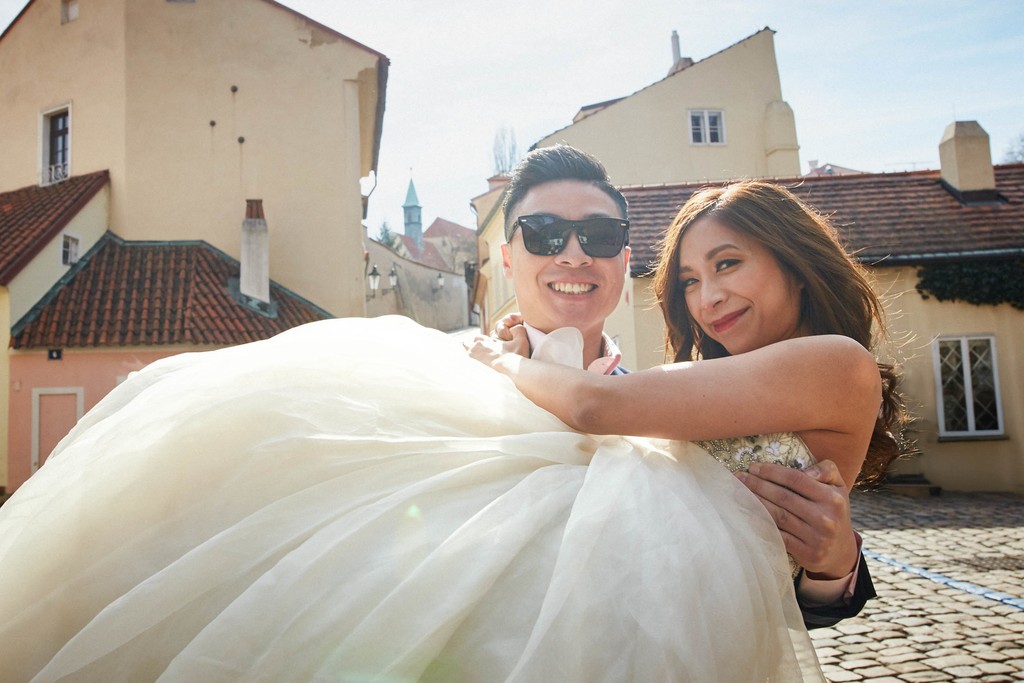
(506, 260)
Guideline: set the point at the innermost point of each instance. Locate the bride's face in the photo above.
(735, 289)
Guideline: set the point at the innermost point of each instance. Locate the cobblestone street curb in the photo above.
(949, 571)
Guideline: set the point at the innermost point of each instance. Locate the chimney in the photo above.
(965, 158)
(497, 181)
(678, 62)
(254, 278)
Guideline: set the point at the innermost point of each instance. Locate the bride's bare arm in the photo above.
(825, 387)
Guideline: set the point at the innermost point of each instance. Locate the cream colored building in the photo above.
(194, 107)
(721, 117)
(169, 116)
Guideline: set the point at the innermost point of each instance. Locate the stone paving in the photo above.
(949, 572)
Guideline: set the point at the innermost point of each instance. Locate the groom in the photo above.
(567, 255)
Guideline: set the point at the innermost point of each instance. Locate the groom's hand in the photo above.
(812, 511)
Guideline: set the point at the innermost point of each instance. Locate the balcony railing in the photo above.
(55, 173)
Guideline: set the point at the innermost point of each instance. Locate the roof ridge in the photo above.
(33, 313)
(184, 297)
(271, 2)
(70, 197)
(615, 100)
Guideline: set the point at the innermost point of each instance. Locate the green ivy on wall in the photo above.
(978, 282)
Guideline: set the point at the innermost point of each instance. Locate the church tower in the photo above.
(413, 215)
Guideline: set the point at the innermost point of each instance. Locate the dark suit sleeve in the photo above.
(830, 615)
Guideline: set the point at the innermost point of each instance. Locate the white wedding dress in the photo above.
(357, 500)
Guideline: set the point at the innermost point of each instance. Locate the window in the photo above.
(707, 127)
(69, 251)
(967, 393)
(68, 10)
(56, 145)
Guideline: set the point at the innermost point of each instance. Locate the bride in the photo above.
(359, 500)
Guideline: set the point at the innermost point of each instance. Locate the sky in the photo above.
(872, 83)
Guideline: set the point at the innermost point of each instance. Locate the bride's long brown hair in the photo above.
(836, 297)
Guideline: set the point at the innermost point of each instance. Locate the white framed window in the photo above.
(967, 386)
(707, 127)
(68, 11)
(69, 250)
(55, 139)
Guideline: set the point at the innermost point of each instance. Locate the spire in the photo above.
(410, 197)
(413, 215)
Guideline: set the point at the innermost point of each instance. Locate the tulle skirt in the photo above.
(357, 500)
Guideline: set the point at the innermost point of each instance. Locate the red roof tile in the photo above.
(145, 293)
(427, 254)
(31, 216)
(445, 228)
(885, 218)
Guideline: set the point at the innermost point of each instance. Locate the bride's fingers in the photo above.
(503, 328)
(519, 341)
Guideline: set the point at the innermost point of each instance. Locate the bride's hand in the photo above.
(489, 350)
(503, 330)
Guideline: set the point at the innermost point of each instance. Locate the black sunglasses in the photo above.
(599, 237)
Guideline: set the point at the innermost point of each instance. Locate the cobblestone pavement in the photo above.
(949, 572)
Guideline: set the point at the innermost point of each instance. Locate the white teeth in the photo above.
(571, 287)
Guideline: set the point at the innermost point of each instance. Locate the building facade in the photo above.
(146, 128)
(718, 118)
(193, 108)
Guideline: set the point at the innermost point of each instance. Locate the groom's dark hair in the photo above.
(548, 164)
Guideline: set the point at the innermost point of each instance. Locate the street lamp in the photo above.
(440, 281)
(393, 277)
(374, 279)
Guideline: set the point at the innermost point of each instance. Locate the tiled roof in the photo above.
(885, 218)
(832, 169)
(427, 254)
(146, 293)
(31, 216)
(444, 228)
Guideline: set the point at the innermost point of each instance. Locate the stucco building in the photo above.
(168, 117)
(717, 118)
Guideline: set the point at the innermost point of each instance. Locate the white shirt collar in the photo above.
(565, 347)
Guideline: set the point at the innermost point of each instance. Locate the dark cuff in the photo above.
(830, 615)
